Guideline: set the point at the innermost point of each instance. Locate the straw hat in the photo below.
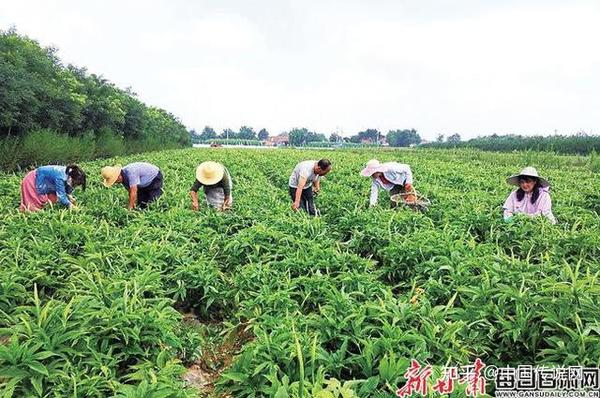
(110, 175)
(372, 166)
(527, 172)
(209, 173)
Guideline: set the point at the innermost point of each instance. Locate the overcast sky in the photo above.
(445, 66)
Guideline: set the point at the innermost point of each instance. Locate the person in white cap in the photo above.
(396, 178)
(531, 198)
(143, 181)
(215, 179)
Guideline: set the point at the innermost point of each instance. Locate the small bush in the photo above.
(109, 144)
(42, 147)
(9, 153)
(49, 147)
(595, 162)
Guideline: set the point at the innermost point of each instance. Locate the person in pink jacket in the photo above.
(531, 198)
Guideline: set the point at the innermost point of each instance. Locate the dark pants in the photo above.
(396, 190)
(151, 192)
(307, 200)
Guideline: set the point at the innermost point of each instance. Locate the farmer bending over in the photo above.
(143, 180)
(50, 184)
(396, 178)
(532, 197)
(305, 182)
(215, 179)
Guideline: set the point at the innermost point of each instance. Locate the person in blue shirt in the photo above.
(51, 184)
(144, 181)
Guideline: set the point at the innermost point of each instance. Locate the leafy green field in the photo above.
(92, 302)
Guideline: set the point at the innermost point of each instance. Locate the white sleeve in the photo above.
(551, 217)
(404, 170)
(409, 176)
(546, 208)
(374, 194)
(508, 206)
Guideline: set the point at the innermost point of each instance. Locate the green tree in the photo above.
(134, 118)
(228, 134)
(298, 136)
(208, 133)
(263, 135)
(369, 135)
(316, 137)
(454, 139)
(403, 138)
(32, 95)
(246, 133)
(302, 136)
(38, 93)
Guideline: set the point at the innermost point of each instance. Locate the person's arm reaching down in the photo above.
(132, 196)
(301, 184)
(374, 194)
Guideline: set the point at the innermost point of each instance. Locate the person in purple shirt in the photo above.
(143, 180)
(51, 184)
(531, 198)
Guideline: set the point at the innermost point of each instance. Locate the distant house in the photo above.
(369, 141)
(278, 140)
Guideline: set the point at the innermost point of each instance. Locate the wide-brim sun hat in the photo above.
(110, 175)
(209, 172)
(527, 172)
(372, 166)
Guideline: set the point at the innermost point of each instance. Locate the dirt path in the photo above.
(204, 373)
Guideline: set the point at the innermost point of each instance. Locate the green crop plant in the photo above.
(103, 301)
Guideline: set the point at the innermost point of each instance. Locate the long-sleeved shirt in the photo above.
(52, 179)
(394, 174)
(542, 206)
(225, 183)
(140, 174)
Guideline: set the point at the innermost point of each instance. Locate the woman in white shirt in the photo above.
(396, 178)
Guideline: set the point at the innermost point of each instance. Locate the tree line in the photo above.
(579, 143)
(42, 99)
(305, 137)
(244, 133)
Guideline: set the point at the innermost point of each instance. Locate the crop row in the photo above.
(92, 301)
